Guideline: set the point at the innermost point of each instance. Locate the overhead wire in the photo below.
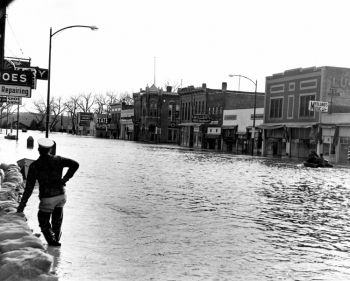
(14, 36)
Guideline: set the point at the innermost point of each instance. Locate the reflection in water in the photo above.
(56, 253)
(147, 212)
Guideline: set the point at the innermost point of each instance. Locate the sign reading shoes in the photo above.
(16, 83)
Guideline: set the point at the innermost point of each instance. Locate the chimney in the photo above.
(168, 89)
(224, 86)
(204, 86)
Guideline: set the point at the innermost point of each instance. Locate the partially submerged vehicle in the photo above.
(316, 161)
(318, 165)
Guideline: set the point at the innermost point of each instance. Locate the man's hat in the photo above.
(46, 143)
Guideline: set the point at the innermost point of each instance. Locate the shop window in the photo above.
(304, 106)
(290, 107)
(276, 107)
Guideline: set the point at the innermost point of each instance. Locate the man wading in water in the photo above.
(47, 170)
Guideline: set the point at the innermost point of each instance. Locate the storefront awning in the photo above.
(189, 124)
(229, 127)
(212, 136)
(271, 126)
(333, 125)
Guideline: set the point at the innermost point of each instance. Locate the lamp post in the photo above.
(49, 71)
(254, 112)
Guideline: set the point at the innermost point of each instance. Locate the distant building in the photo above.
(84, 123)
(116, 109)
(126, 122)
(237, 123)
(202, 116)
(102, 124)
(156, 115)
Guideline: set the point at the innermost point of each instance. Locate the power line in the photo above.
(13, 33)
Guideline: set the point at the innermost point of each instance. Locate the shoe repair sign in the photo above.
(16, 83)
(318, 106)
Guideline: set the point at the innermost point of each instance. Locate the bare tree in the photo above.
(86, 102)
(126, 98)
(57, 109)
(6, 113)
(111, 98)
(101, 102)
(174, 85)
(40, 112)
(71, 106)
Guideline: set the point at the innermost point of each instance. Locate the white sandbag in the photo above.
(24, 263)
(16, 244)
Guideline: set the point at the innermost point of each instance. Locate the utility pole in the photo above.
(2, 35)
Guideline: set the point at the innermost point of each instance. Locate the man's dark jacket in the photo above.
(47, 170)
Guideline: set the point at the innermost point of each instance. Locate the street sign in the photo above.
(14, 100)
(15, 91)
(321, 106)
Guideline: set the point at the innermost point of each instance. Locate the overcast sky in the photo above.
(194, 41)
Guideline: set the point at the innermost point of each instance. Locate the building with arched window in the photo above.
(156, 115)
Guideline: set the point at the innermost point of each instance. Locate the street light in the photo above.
(256, 85)
(49, 70)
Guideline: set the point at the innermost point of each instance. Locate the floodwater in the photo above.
(139, 211)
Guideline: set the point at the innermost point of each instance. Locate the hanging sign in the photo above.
(15, 91)
(318, 106)
(14, 100)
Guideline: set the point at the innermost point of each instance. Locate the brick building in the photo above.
(156, 115)
(202, 114)
(292, 128)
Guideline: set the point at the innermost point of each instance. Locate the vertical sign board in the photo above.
(84, 118)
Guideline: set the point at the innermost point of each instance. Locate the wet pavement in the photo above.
(155, 212)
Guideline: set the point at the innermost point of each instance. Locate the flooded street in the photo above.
(154, 212)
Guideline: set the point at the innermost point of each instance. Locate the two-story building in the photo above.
(116, 109)
(308, 109)
(202, 116)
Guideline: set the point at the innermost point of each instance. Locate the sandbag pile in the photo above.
(22, 254)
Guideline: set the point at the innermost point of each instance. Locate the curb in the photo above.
(22, 254)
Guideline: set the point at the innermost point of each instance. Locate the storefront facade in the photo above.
(293, 126)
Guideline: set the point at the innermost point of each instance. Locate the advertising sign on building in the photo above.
(13, 63)
(318, 106)
(16, 83)
(15, 91)
(201, 118)
(16, 77)
(84, 118)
